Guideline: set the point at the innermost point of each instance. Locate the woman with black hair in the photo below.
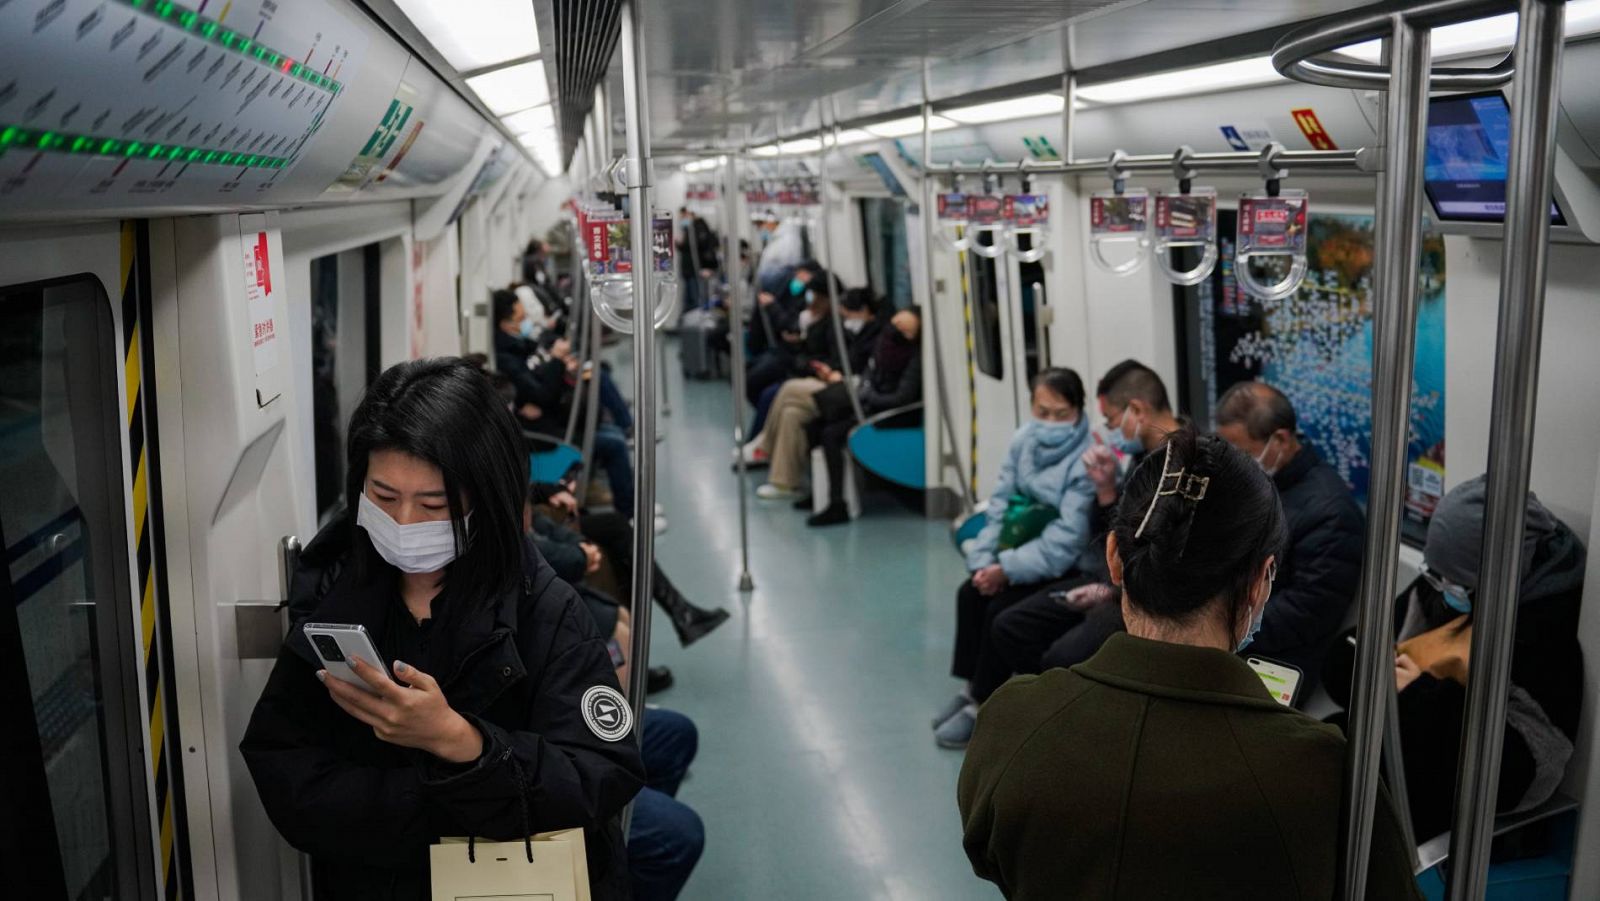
(494, 711)
(1162, 767)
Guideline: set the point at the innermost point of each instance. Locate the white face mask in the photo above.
(806, 318)
(422, 547)
(1261, 458)
(854, 326)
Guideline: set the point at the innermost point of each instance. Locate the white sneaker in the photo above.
(661, 524)
(770, 492)
(660, 510)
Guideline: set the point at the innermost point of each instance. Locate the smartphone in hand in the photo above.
(337, 643)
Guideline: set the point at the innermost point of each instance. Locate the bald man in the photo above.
(1320, 571)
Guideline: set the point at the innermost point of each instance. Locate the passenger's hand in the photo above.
(990, 580)
(1406, 671)
(413, 715)
(530, 411)
(833, 377)
(591, 555)
(765, 298)
(1087, 597)
(563, 500)
(1100, 463)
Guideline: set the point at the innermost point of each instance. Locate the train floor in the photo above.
(817, 775)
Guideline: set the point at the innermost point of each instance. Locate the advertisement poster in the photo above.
(1316, 347)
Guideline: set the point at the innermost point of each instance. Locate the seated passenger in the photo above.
(776, 314)
(893, 379)
(1037, 527)
(1320, 571)
(1435, 646)
(666, 837)
(802, 337)
(544, 393)
(1065, 623)
(1162, 767)
(471, 715)
(858, 318)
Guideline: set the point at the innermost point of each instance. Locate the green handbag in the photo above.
(1025, 519)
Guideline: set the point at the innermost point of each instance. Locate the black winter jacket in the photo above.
(516, 668)
(545, 385)
(1319, 571)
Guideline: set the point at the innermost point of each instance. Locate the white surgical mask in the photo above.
(806, 318)
(854, 326)
(422, 547)
(1261, 458)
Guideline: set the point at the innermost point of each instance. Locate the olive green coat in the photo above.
(1157, 770)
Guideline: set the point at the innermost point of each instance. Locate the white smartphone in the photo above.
(336, 643)
(1281, 679)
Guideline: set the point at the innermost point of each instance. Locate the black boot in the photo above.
(836, 513)
(657, 678)
(690, 622)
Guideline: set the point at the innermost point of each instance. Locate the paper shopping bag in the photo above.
(500, 871)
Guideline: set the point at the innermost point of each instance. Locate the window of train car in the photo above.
(1316, 348)
(1030, 274)
(345, 358)
(986, 309)
(73, 780)
(883, 225)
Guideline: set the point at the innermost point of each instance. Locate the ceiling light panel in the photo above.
(513, 88)
(910, 125)
(1484, 35)
(1002, 110)
(537, 119)
(1181, 82)
(473, 34)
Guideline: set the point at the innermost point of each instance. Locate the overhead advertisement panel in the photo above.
(118, 103)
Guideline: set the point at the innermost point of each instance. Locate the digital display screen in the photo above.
(1469, 143)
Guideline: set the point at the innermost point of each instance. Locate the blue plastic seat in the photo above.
(969, 528)
(548, 458)
(891, 451)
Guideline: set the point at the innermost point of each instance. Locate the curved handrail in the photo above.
(876, 418)
(1294, 55)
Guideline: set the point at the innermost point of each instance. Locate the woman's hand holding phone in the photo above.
(414, 715)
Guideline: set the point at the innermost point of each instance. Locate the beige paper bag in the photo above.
(501, 872)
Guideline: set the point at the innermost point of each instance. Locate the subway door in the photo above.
(234, 490)
(996, 353)
(88, 809)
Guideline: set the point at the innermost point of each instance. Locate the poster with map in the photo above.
(1316, 347)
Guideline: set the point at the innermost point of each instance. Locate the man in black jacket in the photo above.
(1320, 570)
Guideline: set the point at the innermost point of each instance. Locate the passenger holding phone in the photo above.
(490, 708)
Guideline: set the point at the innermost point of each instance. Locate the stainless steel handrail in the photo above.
(931, 326)
(1535, 102)
(734, 268)
(1359, 161)
(832, 281)
(1294, 55)
(636, 118)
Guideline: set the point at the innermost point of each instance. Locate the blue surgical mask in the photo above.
(1457, 599)
(1126, 444)
(527, 327)
(1250, 634)
(797, 287)
(1054, 434)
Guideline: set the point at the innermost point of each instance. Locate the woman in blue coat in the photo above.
(1038, 524)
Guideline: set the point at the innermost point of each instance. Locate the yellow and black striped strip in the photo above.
(152, 625)
(972, 369)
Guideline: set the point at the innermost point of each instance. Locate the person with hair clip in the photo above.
(483, 715)
(1162, 767)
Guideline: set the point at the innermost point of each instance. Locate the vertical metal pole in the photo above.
(733, 266)
(929, 212)
(666, 401)
(1041, 325)
(1394, 762)
(1069, 116)
(1535, 96)
(580, 347)
(636, 116)
(827, 250)
(1399, 221)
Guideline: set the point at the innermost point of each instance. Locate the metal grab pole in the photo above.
(932, 325)
(832, 280)
(733, 266)
(1399, 238)
(636, 117)
(1535, 97)
(585, 325)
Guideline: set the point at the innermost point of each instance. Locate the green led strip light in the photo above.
(228, 39)
(66, 142)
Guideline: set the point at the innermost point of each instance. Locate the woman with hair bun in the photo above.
(1162, 767)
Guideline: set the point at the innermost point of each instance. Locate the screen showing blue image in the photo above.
(1469, 141)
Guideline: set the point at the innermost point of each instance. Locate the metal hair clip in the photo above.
(1182, 482)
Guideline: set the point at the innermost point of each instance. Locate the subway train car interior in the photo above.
(769, 449)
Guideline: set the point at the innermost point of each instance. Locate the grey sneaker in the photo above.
(950, 709)
(956, 731)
